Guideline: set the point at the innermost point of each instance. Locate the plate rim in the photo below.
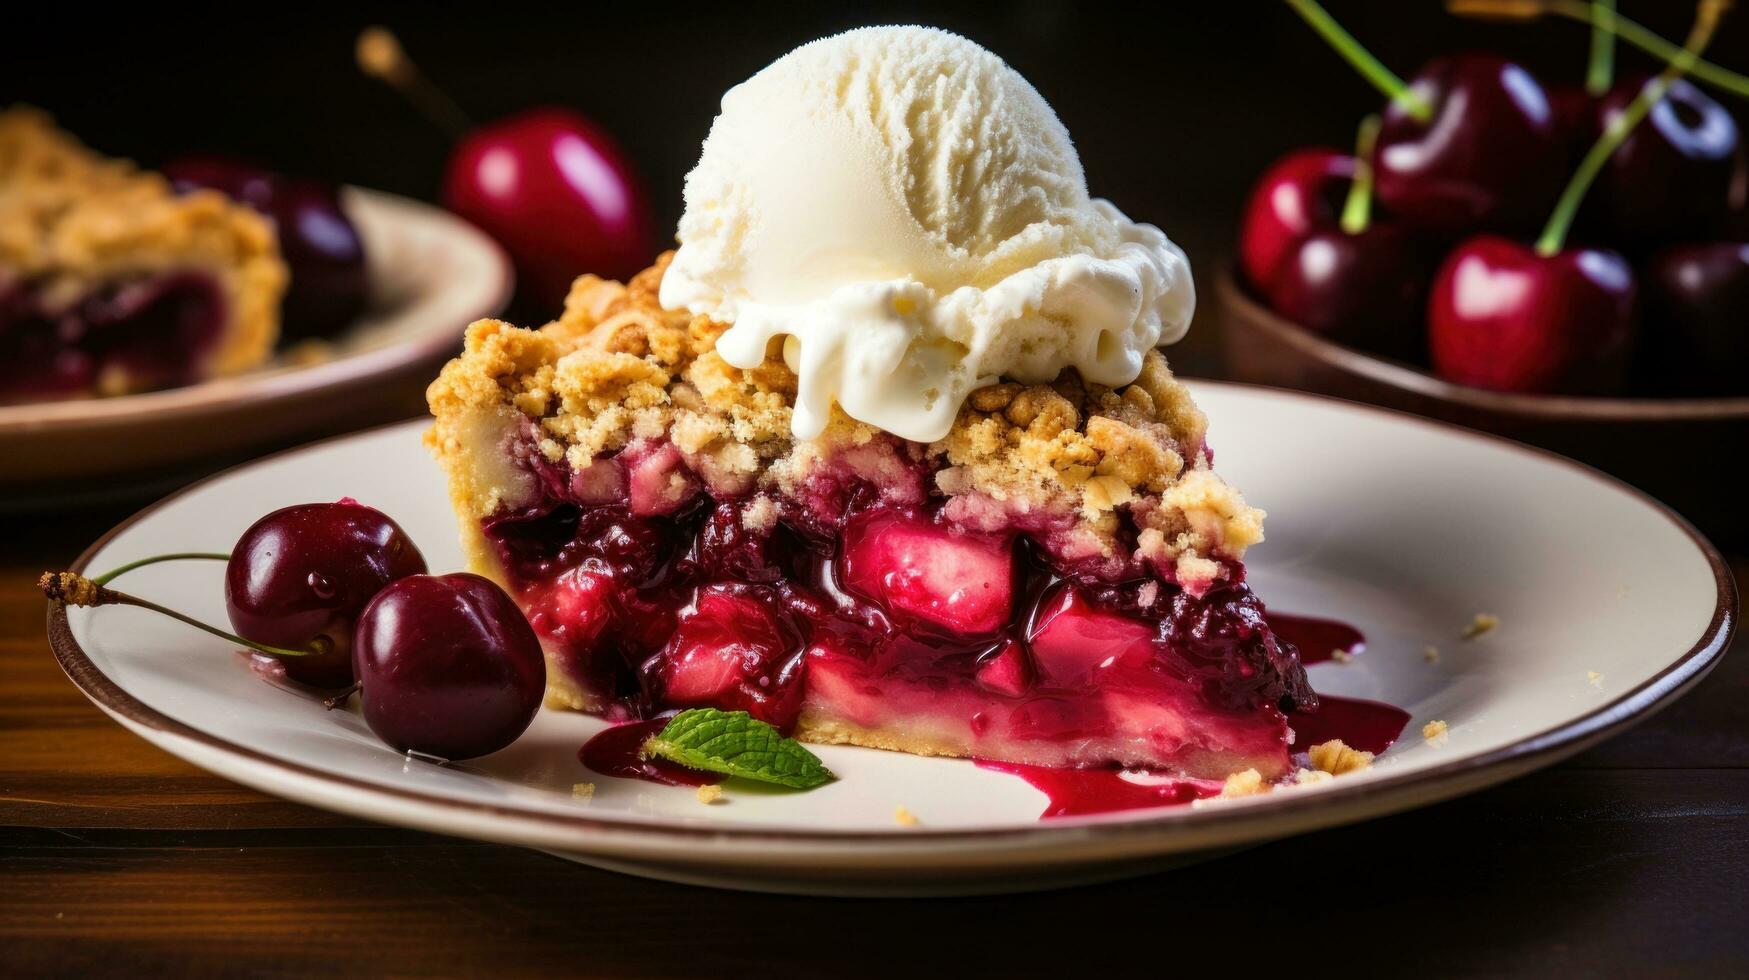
(1249, 819)
(253, 388)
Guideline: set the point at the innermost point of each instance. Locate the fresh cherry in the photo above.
(1575, 111)
(558, 193)
(552, 187)
(301, 576)
(1492, 157)
(1299, 193)
(1505, 317)
(330, 285)
(1367, 289)
(1697, 322)
(447, 666)
(1672, 177)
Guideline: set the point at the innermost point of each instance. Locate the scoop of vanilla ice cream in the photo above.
(908, 213)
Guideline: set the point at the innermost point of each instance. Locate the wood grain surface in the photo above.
(117, 859)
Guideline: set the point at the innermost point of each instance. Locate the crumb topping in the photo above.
(1336, 757)
(72, 219)
(1123, 473)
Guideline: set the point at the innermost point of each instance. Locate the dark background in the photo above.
(116, 858)
(1176, 106)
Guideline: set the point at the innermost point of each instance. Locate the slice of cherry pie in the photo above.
(111, 283)
(1057, 582)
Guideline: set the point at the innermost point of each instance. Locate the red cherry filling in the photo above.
(733, 648)
(149, 333)
(866, 608)
(1073, 641)
(929, 575)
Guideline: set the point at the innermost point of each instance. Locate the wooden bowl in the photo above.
(1685, 451)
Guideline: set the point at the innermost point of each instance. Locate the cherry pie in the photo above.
(1057, 582)
(111, 283)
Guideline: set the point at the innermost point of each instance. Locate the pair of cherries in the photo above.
(445, 665)
(1475, 145)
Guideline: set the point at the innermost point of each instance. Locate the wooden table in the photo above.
(1632, 858)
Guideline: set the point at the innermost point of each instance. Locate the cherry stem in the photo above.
(380, 55)
(1554, 236)
(74, 589)
(1357, 210)
(1600, 69)
(110, 576)
(1370, 68)
(339, 700)
(1601, 16)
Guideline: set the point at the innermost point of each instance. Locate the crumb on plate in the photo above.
(1246, 783)
(583, 791)
(1430, 654)
(1434, 731)
(904, 817)
(710, 794)
(1337, 757)
(1483, 623)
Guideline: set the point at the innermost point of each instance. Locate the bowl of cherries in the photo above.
(1564, 265)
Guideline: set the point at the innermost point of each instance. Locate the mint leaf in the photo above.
(737, 744)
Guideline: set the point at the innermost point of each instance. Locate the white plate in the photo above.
(431, 273)
(1404, 527)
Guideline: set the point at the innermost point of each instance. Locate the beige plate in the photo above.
(1609, 606)
(431, 273)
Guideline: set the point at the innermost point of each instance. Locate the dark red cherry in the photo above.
(1300, 192)
(1672, 177)
(448, 666)
(1367, 289)
(1575, 112)
(330, 285)
(1502, 316)
(1492, 157)
(1697, 314)
(306, 572)
(558, 193)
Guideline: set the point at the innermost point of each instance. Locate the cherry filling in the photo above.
(154, 332)
(852, 610)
